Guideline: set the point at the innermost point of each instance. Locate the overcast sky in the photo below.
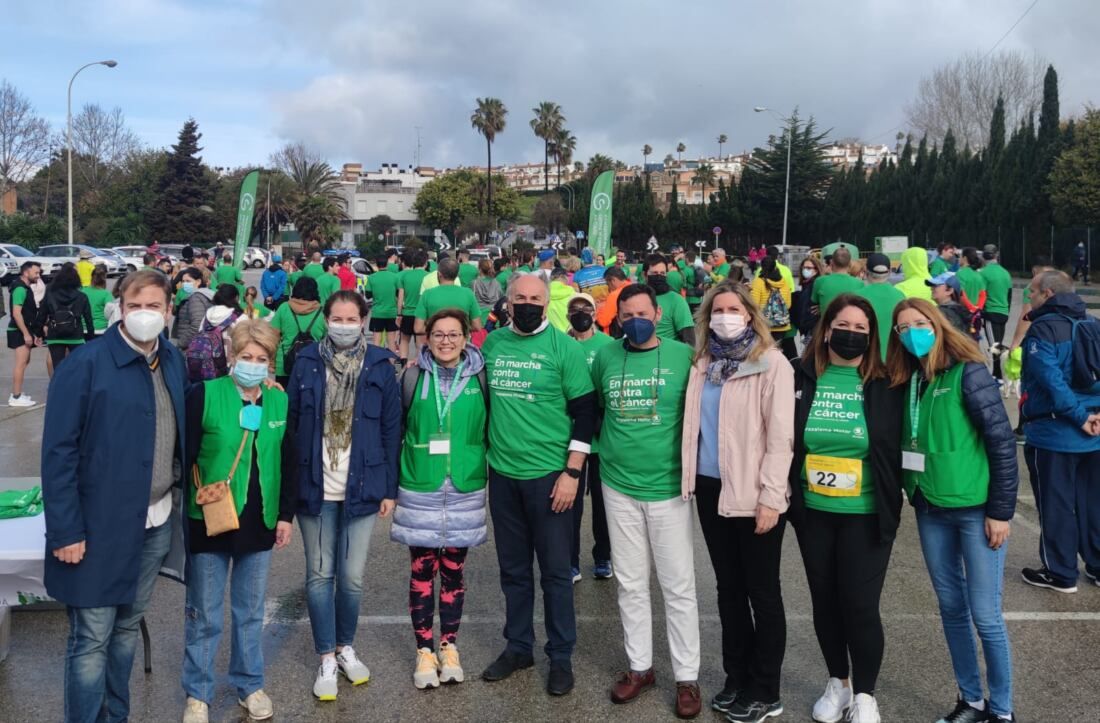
(354, 79)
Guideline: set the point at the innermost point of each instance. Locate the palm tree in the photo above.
(722, 139)
(315, 178)
(488, 120)
(704, 176)
(565, 143)
(647, 150)
(546, 124)
(680, 148)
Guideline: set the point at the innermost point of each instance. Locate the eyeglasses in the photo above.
(452, 337)
(902, 328)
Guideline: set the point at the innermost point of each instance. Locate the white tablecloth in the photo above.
(22, 546)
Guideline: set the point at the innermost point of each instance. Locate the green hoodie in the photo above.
(557, 313)
(914, 264)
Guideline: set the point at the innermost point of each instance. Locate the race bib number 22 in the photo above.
(834, 476)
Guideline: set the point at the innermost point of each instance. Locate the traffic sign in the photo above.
(717, 230)
(556, 245)
(580, 235)
(701, 244)
(651, 245)
(381, 237)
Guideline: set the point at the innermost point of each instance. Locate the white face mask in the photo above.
(344, 335)
(808, 273)
(727, 326)
(144, 325)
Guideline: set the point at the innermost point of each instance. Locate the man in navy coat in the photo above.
(111, 455)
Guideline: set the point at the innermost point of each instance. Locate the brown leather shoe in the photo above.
(688, 700)
(630, 685)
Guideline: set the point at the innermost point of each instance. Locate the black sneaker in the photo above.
(966, 713)
(724, 700)
(560, 681)
(1094, 576)
(505, 665)
(1043, 578)
(753, 711)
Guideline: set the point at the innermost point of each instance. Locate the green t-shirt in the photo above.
(837, 428)
(675, 280)
(675, 316)
(18, 298)
(591, 346)
(502, 279)
(98, 299)
(327, 285)
(830, 286)
(883, 299)
(292, 279)
(531, 379)
(466, 274)
(971, 282)
(314, 271)
(432, 265)
(720, 272)
(642, 395)
(409, 281)
(383, 286)
(395, 268)
(998, 288)
(447, 297)
(289, 326)
(227, 274)
(938, 267)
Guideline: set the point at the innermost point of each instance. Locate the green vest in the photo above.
(956, 469)
(465, 425)
(222, 438)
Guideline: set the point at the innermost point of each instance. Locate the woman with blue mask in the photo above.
(236, 433)
(960, 475)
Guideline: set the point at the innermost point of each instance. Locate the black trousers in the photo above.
(750, 600)
(846, 568)
(58, 352)
(590, 481)
(526, 527)
(786, 344)
(995, 329)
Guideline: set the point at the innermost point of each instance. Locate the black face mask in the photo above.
(849, 344)
(527, 317)
(580, 321)
(658, 283)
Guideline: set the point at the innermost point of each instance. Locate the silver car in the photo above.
(65, 253)
(13, 256)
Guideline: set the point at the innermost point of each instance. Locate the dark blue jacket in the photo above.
(97, 465)
(375, 432)
(273, 284)
(1053, 411)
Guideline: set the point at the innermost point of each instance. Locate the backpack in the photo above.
(205, 355)
(776, 311)
(65, 322)
(1085, 342)
(301, 340)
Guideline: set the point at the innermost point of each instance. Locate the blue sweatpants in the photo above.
(1067, 495)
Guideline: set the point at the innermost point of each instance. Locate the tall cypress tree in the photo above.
(183, 189)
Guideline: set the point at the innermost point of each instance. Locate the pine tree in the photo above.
(177, 215)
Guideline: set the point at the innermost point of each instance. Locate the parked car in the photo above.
(134, 256)
(12, 256)
(66, 253)
(257, 257)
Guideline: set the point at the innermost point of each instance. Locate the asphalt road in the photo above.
(1055, 638)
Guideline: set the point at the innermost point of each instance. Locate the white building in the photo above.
(390, 191)
(846, 155)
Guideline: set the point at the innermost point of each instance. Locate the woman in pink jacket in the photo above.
(737, 451)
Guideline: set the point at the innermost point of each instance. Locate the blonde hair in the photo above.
(764, 340)
(571, 264)
(249, 331)
(950, 347)
(856, 267)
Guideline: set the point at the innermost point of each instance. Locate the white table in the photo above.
(22, 549)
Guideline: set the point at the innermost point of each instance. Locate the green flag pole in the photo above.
(599, 215)
(245, 208)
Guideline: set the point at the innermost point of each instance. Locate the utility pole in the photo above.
(418, 147)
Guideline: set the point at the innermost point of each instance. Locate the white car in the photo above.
(65, 253)
(13, 256)
(134, 256)
(257, 257)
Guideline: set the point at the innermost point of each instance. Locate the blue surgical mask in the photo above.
(188, 287)
(249, 374)
(918, 340)
(638, 330)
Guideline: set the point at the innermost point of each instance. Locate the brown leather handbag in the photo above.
(216, 499)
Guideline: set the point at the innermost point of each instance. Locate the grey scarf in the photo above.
(343, 365)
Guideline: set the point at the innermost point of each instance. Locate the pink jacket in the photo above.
(755, 435)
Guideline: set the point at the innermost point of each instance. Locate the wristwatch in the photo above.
(573, 472)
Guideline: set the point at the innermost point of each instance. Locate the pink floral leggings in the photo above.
(426, 562)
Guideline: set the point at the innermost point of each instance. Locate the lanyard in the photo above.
(914, 404)
(442, 410)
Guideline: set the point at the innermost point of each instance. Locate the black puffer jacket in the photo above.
(986, 410)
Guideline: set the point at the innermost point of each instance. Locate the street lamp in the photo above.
(790, 142)
(69, 135)
(570, 189)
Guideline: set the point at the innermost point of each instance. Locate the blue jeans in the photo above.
(204, 614)
(336, 553)
(102, 641)
(968, 579)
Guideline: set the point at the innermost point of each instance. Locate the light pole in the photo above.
(69, 135)
(790, 142)
(570, 189)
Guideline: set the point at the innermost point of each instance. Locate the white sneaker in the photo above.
(353, 669)
(258, 706)
(196, 711)
(864, 709)
(21, 401)
(426, 674)
(832, 704)
(450, 667)
(324, 686)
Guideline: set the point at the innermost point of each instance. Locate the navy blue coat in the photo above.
(375, 432)
(97, 465)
